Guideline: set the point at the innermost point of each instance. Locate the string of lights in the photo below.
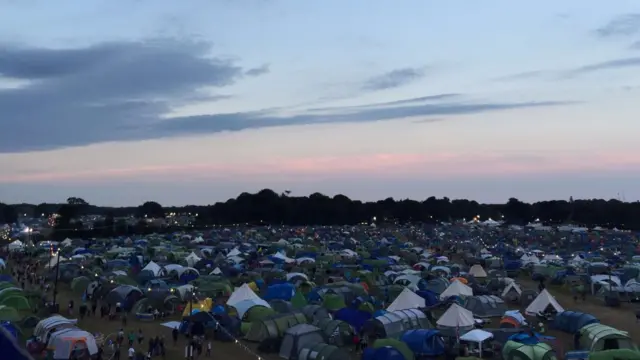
(239, 343)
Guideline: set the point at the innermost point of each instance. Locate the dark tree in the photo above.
(8, 214)
(150, 209)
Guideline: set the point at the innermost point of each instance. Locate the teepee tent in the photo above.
(543, 302)
(406, 300)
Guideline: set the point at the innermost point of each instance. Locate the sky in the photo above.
(193, 102)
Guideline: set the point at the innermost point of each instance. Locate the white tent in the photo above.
(234, 252)
(66, 242)
(477, 271)
(542, 302)
(406, 300)
(16, 245)
(477, 336)
(456, 317)
(456, 288)
(153, 267)
(243, 299)
(216, 271)
(512, 287)
(192, 259)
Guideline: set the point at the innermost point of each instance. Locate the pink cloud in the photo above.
(380, 165)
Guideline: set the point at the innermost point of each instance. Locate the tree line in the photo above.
(269, 207)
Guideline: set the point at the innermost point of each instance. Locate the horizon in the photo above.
(121, 102)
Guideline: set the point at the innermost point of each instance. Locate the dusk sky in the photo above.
(196, 101)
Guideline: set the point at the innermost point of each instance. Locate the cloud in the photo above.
(603, 66)
(241, 121)
(635, 45)
(393, 79)
(554, 75)
(124, 91)
(623, 25)
(264, 69)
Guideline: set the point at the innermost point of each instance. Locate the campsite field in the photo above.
(220, 350)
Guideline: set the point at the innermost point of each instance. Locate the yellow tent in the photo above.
(203, 305)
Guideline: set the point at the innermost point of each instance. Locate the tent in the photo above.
(406, 300)
(323, 351)
(572, 321)
(456, 288)
(477, 336)
(517, 351)
(512, 292)
(336, 332)
(457, 319)
(243, 298)
(353, 317)
(477, 271)
(389, 349)
(543, 302)
(598, 337)
(273, 326)
(620, 354)
(485, 306)
(424, 342)
(394, 324)
(298, 337)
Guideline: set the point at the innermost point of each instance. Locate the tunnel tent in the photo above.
(393, 324)
(298, 337)
(572, 321)
(274, 326)
(281, 306)
(335, 332)
(322, 351)
(315, 313)
(424, 342)
(485, 306)
(513, 350)
(619, 354)
(598, 337)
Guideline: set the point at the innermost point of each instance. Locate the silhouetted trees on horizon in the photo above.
(268, 207)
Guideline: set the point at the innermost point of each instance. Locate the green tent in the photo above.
(79, 284)
(274, 326)
(517, 351)
(333, 302)
(619, 354)
(598, 337)
(17, 302)
(298, 301)
(5, 293)
(8, 314)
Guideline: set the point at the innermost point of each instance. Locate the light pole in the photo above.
(55, 283)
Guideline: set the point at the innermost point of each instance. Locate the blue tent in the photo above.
(355, 318)
(382, 353)
(5, 277)
(280, 292)
(10, 348)
(424, 342)
(572, 321)
(430, 297)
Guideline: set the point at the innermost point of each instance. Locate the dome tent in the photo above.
(516, 351)
(572, 321)
(423, 342)
(298, 337)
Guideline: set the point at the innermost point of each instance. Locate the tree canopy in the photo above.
(269, 207)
